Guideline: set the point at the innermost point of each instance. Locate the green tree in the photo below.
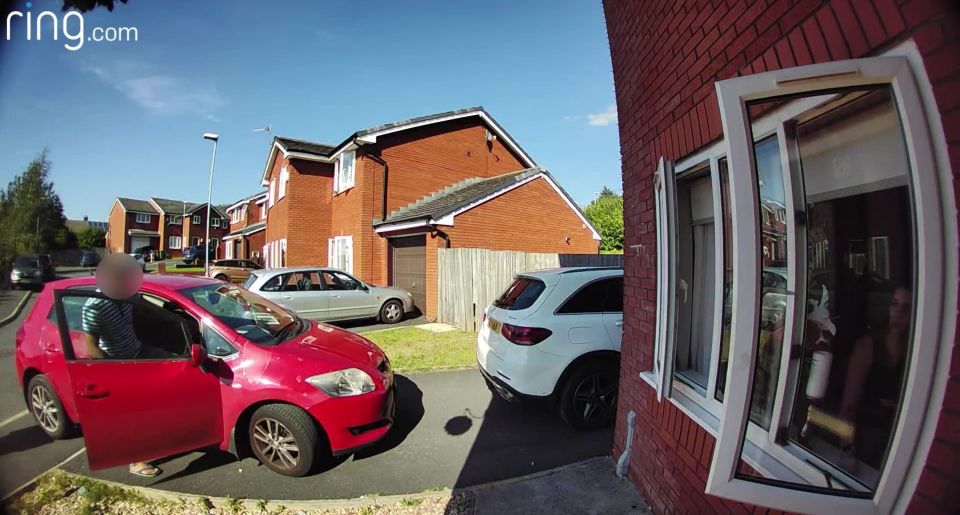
(31, 214)
(91, 237)
(606, 214)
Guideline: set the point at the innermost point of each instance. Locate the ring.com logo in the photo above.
(70, 25)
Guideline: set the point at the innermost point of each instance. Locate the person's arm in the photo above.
(91, 341)
(860, 361)
(91, 335)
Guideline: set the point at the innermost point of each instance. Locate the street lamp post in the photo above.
(215, 138)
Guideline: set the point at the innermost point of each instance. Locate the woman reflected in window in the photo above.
(874, 377)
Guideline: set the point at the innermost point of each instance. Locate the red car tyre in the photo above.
(284, 438)
(46, 408)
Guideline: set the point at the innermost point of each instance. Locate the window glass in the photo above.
(727, 277)
(696, 266)
(601, 296)
(275, 283)
(215, 344)
(333, 280)
(253, 317)
(855, 295)
(521, 294)
(103, 328)
(302, 281)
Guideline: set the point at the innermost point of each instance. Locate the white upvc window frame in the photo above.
(196, 220)
(215, 222)
(143, 218)
(284, 178)
(664, 202)
(173, 246)
(263, 211)
(340, 247)
(341, 181)
(273, 192)
(679, 392)
(175, 220)
(733, 94)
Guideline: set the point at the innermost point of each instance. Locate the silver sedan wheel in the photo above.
(45, 409)
(393, 312)
(276, 444)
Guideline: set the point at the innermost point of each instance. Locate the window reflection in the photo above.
(855, 295)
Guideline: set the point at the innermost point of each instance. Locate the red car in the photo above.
(235, 371)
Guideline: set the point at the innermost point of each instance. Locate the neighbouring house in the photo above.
(80, 225)
(248, 224)
(791, 291)
(381, 203)
(168, 226)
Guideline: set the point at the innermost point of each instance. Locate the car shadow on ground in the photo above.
(371, 324)
(519, 438)
(24, 439)
(410, 412)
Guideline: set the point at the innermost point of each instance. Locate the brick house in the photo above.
(383, 201)
(248, 224)
(164, 224)
(791, 267)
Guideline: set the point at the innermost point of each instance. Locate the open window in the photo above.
(833, 261)
(665, 202)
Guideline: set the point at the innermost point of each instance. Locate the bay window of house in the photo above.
(800, 285)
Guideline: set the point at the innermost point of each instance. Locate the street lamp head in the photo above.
(212, 136)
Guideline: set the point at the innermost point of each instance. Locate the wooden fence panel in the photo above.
(470, 279)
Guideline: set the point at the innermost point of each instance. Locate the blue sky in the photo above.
(126, 119)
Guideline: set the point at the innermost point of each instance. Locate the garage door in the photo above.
(138, 241)
(410, 267)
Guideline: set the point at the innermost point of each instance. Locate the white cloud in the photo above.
(160, 93)
(603, 118)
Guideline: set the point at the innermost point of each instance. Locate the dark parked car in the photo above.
(27, 271)
(194, 254)
(89, 258)
(46, 264)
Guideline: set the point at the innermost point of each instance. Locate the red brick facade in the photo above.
(666, 57)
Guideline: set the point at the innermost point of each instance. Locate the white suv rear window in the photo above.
(521, 294)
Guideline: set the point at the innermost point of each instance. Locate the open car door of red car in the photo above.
(155, 404)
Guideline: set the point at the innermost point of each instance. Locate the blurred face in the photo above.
(119, 276)
(900, 309)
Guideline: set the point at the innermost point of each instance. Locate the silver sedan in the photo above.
(329, 294)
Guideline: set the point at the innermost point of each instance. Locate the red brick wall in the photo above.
(307, 210)
(666, 57)
(531, 218)
(429, 158)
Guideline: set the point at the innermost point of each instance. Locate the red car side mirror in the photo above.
(197, 354)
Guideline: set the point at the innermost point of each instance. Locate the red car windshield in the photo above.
(254, 317)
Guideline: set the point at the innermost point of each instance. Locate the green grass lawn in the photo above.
(415, 350)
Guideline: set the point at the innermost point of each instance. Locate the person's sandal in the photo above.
(148, 471)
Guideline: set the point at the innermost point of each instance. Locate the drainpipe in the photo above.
(440, 234)
(383, 208)
(624, 461)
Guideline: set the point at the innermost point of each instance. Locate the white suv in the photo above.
(555, 335)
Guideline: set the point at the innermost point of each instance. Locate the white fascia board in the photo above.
(528, 162)
(402, 226)
(116, 202)
(270, 158)
(155, 205)
(308, 157)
